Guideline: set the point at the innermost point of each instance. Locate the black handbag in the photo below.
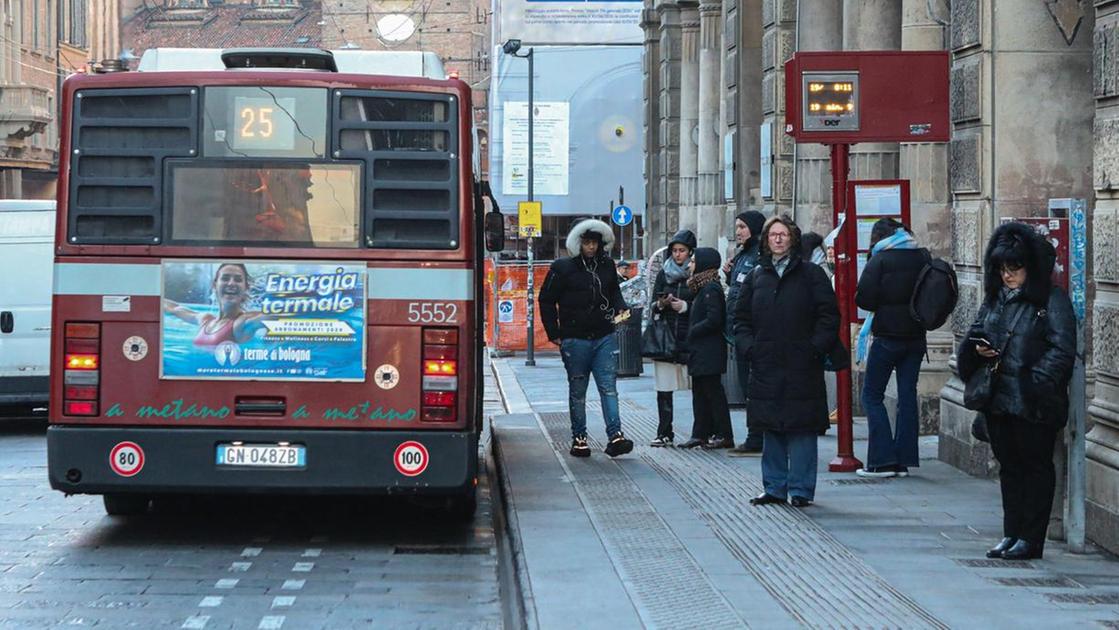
(658, 342)
(980, 386)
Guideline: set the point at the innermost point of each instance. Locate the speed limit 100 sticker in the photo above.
(126, 459)
(411, 458)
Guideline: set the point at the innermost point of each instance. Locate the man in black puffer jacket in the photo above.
(580, 302)
(886, 290)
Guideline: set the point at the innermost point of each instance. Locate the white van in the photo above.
(26, 255)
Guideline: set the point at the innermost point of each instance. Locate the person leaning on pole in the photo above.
(580, 301)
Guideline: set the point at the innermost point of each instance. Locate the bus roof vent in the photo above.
(285, 58)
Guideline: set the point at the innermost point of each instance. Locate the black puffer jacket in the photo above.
(785, 326)
(580, 297)
(1036, 364)
(661, 287)
(741, 266)
(886, 289)
(708, 348)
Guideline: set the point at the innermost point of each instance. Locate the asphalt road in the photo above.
(213, 562)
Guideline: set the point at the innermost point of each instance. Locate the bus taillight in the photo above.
(440, 375)
(82, 374)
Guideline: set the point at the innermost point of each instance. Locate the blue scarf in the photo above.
(900, 240)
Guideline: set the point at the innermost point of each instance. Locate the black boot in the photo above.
(664, 413)
(999, 549)
(1022, 550)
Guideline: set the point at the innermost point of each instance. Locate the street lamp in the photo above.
(512, 47)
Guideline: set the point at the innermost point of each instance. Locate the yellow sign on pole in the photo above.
(528, 214)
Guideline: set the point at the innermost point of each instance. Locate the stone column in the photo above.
(709, 141)
(820, 28)
(689, 115)
(668, 113)
(873, 25)
(1010, 153)
(926, 168)
(748, 103)
(1103, 439)
(778, 45)
(650, 69)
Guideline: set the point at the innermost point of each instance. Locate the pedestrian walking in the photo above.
(670, 300)
(579, 304)
(787, 325)
(1016, 361)
(707, 352)
(747, 234)
(886, 290)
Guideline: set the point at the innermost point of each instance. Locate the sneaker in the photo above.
(901, 471)
(877, 472)
(661, 441)
(745, 450)
(619, 445)
(579, 447)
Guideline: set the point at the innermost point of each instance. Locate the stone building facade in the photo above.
(1034, 109)
(41, 43)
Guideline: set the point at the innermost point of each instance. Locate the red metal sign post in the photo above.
(841, 98)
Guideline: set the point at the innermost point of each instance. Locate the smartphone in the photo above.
(982, 340)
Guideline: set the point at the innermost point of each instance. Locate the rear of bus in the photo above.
(265, 282)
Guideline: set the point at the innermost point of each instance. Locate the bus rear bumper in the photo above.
(183, 460)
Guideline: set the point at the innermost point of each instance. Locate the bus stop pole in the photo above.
(845, 460)
(530, 352)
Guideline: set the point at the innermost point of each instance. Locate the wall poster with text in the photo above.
(262, 320)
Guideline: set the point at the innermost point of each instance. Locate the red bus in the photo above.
(267, 279)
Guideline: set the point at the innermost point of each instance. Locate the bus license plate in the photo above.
(272, 455)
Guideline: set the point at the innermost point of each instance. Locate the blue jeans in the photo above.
(789, 464)
(581, 358)
(898, 448)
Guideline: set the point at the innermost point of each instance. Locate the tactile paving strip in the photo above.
(647, 553)
(814, 577)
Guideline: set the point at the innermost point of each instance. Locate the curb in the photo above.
(521, 611)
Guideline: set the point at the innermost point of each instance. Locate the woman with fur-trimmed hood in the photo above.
(1025, 333)
(580, 302)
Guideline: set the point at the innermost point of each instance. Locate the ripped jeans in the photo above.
(581, 358)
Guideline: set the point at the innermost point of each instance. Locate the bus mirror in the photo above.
(495, 231)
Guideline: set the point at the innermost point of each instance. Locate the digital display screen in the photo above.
(265, 121)
(828, 98)
(830, 101)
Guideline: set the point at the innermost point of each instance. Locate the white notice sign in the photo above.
(550, 148)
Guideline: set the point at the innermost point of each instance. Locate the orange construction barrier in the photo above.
(510, 313)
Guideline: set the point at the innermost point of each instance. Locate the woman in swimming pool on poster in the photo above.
(232, 323)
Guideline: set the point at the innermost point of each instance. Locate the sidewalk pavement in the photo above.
(666, 538)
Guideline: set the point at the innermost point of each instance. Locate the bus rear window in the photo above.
(261, 203)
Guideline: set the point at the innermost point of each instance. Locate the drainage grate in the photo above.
(1109, 623)
(1106, 599)
(1042, 582)
(993, 564)
(441, 550)
(860, 481)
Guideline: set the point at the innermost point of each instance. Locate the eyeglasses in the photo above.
(779, 236)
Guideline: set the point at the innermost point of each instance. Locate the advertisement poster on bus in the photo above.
(263, 320)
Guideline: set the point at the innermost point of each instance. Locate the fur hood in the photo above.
(576, 233)
(1040, 259)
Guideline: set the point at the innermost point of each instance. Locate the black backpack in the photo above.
(935, 293)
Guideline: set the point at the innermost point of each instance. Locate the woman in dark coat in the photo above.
(670, 300)
(707, 352)
(786, 323)
(1026, 332)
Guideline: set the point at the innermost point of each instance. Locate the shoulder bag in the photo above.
(980, 388)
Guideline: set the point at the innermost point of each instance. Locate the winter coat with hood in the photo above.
(580, 296)
(1035, 366)
(785, 326)
(677, 321)
(707, 347)
(743, 262)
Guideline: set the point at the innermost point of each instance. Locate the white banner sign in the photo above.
(551, 125)
(566, 22)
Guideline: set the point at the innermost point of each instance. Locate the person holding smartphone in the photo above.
(671, 297)
(1025, 333)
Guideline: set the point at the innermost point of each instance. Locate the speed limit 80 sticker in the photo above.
(411, 458)
(126, 459)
